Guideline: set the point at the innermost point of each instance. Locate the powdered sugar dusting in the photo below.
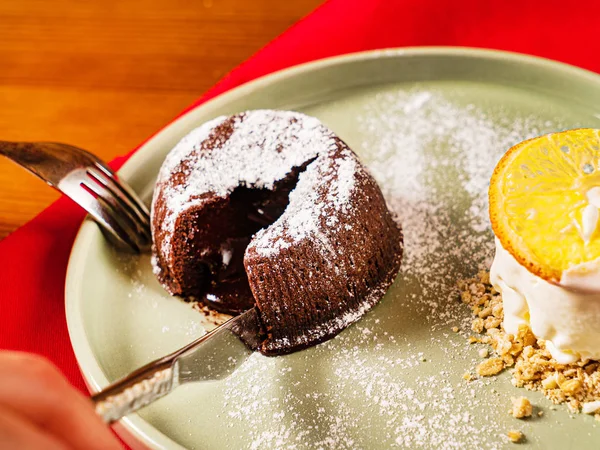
(262, 149)
(308, 207)
(433, 157)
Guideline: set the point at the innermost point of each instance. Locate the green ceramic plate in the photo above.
(430, 123)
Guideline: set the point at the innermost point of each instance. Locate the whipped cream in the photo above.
(565, 315)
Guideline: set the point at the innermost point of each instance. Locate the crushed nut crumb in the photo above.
(468, 376)
(521, 408)
(455, 329)
(483, 352)
(515, 436)
(571, 387)
(477, 325)
(490, 367)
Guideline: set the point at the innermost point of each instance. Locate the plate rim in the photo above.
(133, 429)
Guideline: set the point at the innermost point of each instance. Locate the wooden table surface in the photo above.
(105, 74)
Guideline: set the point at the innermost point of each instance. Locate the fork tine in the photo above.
(123, 193)
(120, 212)
(111, 218)
(111, 181)
(107, 177)
(104, 167)
(103, 213)
(115, 227)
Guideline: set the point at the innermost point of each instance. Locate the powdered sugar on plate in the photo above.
(339, 408)
(433, 156)
(429, 150)
(433, 159)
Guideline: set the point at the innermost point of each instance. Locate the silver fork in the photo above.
(90, 183)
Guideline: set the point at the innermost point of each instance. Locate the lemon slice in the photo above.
(545, 199)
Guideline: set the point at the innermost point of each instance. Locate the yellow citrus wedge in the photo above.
(545, 199)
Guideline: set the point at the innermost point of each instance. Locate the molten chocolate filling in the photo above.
(226, 288)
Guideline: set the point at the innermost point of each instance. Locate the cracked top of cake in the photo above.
(252, 149)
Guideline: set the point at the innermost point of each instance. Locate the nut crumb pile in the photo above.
(531, 365)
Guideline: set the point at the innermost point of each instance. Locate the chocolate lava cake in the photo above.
(270, 209)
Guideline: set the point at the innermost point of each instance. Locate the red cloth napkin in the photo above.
(33, 260)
